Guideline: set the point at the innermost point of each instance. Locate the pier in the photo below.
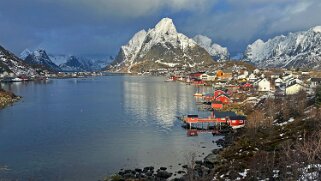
(217, 123)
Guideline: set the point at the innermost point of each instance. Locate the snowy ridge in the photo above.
(159, 47)
(67, 63)
(218, 52)
(71, 63)
(165, 32)
(133, 47)
(25, 53)
(39, 58)
(11, 63)
(300, 49)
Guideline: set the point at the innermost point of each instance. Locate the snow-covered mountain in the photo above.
(218, 52)
(296, 50)
(70, 63)
(79, 63)
(159, 47)
(12, 64)
(39, 58)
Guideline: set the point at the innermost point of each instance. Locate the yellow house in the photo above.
(224, 75)
(293, 89)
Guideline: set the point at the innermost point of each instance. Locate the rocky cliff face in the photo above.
(12, 64)
(296, 50)
(159, 47)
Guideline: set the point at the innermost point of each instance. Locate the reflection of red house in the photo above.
(198, 82)
(223, 98)
(217, 105)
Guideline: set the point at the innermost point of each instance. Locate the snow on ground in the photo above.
(285, 123)
(244, 173)
(168, 64)
(310, 172)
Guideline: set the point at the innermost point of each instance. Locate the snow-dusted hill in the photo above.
(79, 63)
(39, 58)
(159, 47)
(218, 52)
(296, 50)
(12, 64)
(62, 62)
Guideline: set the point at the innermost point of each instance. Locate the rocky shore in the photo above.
(194, 170)
(7, 98)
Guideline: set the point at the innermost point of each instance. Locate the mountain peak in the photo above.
(40, 58)
(218, 52)
(160, 47)
(25, 53)
(40, 53)
(165, 25)
(317, 29)
(295, 50)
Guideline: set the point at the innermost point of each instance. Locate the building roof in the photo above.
(316, 79)
(237, 117)
(222, 114)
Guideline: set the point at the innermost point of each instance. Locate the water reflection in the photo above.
(155, 98)
(84, 129)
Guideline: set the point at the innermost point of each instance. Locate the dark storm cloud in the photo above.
(102, 26)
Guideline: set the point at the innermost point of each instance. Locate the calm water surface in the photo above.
(85, 129)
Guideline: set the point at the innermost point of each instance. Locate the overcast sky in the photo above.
(90, 27)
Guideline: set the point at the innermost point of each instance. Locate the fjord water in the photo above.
(85, 129)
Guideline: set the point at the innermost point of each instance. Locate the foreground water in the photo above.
(85, 129)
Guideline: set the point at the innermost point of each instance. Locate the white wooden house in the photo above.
(264, 85)
(314, 82)
(252, 77)
(278, 82)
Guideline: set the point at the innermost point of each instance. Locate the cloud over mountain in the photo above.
(62, 26)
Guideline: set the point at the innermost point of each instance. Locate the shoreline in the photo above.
(7, 98)
(196, 168)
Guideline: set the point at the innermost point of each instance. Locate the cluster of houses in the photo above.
(234, 88)
(278, 81)
(11, 77)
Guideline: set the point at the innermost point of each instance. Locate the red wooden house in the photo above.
(223, 98)
(218, 92)
(196, 75)
(217, 105)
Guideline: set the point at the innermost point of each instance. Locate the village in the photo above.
(44, 75)
(235, 90)
(274, 82)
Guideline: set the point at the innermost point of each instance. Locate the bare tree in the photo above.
(255, 120)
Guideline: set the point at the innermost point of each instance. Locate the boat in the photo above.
(197, 94)
(171, 79)
(16, 80)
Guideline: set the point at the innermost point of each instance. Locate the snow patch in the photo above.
(286, 122)
(317, 29)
